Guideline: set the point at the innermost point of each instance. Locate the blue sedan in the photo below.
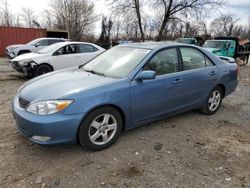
(129, 85)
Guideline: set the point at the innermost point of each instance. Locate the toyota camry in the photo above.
(126, 86)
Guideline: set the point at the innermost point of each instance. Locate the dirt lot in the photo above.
(188, 150)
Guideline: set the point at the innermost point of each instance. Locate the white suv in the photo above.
(33, 46)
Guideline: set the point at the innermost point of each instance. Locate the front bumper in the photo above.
(60, 128)
(231, 87)
(28, 69)
(15, 65)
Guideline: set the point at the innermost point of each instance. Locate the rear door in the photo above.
(199, 76)
(86, 52)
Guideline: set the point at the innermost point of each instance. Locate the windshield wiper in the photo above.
(94, 72)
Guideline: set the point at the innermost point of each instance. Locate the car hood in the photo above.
(58, 85)
(14, 46)
(27, 56)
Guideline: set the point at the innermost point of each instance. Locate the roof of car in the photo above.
(52, 38)
(218, 40)
(61, 44)
(153, 45)
(76, 42)
(71, 42)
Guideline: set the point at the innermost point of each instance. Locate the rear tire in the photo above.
(213, 101)
(100, 128)
(42, 69)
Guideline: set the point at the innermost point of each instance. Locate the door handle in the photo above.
(213, 73)
(178, 80)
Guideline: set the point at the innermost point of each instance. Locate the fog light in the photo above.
(41, 138)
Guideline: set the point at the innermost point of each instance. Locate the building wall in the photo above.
(18, 35)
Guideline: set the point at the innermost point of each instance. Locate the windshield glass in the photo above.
(186, 41)
(117, 62)
(214, 44)
(51, 48)
(33, 42)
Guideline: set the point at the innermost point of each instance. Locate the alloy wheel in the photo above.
(214, 100)
(102, 129)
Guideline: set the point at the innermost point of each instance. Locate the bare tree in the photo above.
(203, 27)
(117, 26)
(47, 20)
(171, 8)
(130, 9)
(224, 25)
(76, 16)
(17, 21)
(28, 17)
(7, 17)
(104, 39)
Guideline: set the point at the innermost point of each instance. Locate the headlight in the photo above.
(26, 62)
(48, 107)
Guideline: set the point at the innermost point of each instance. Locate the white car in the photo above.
(33, 46)
(55, 57)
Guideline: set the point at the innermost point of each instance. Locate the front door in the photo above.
(66, 57)
(87, 52)
(149, 98)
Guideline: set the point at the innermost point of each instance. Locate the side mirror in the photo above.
(146, 75)
(57, 53)
(37, 44)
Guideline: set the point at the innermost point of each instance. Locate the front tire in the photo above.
(213, 102)
(42, 69)
(100, 129)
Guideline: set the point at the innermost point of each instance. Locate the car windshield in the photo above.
(214, 44)
(33, 42)
(182, 40)
(117, 62)
(51, 48)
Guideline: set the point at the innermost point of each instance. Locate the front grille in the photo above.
(23, 102)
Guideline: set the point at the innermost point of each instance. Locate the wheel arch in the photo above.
(26, 51)
(222, 86)
(45, 64)
(101, 106)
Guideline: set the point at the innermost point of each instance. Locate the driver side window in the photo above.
(69, 49)
(164, 62)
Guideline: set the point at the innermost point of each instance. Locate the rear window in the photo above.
(192, 59)
(85, 48)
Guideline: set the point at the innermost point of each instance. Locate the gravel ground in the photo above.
(188, 150)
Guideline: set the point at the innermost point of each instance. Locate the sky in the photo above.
(239, 9)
